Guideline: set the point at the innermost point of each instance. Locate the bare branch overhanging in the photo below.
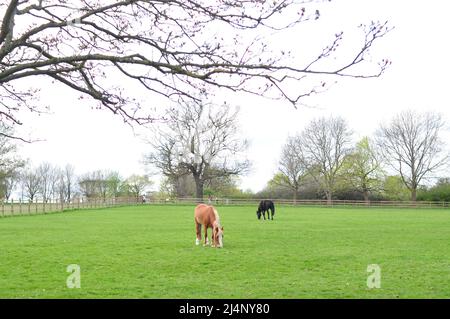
(168, 47)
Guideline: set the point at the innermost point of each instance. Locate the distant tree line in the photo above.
(201, 154)
(47, 182)
(320, 161)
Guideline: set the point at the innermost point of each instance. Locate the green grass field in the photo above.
(150, 252)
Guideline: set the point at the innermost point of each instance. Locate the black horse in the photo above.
(265, 206)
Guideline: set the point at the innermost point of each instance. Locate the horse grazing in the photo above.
(265, 206)
(208, 217)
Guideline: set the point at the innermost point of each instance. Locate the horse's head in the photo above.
(218, 236)
(258, 214)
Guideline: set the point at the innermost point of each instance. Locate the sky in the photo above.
(72, 132)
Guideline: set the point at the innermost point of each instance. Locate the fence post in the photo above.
(36, 208)
(12, 207)
(20, 206)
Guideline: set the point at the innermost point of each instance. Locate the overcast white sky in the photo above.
(417, 79)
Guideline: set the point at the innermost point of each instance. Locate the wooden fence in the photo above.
(309, 202)
(38, 206)
(23, 208)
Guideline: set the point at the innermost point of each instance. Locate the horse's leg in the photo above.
(213, 243)
(198, 231)
(206, 235)
(264, 214)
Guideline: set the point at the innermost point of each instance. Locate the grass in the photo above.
(150, 252)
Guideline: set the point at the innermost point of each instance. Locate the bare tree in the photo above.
(10, 164)
(49, 179)
(411, 145)
(200, 140)
(323, 145)
(94, 184)
(69, 181)
(8, 182)
(64, 179)
(170, 48)
(31, 183)
(102, 183)
(291, 166)
(88, 184)
(61, 187)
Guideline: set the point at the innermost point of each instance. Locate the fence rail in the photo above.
(309, 202)
(23, 208)
(38, 206)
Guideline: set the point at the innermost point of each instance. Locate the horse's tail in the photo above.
(273, 208)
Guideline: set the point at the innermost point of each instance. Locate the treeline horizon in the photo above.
(200, 154)
(48, 183)
(392, 190)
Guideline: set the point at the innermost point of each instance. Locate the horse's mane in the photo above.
(217, 217)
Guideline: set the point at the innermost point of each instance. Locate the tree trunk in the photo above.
(295, 196)
(414, 194)
(329, 196)
(69, 194)
(198, 188)
(366, 197)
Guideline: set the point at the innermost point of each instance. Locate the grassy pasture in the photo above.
(149, 252)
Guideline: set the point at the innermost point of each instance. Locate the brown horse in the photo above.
(208, 217)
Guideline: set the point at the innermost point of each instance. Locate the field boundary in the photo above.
(309, 202)
(38, 207)
(28, 208)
